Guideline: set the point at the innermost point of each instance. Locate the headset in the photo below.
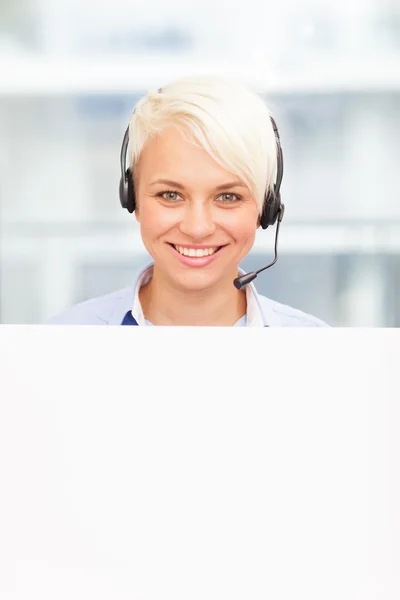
(272, 212)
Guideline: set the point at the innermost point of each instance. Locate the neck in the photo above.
(166, 304)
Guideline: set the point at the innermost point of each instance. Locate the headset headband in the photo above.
(272, 207)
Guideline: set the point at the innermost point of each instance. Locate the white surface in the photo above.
(199, 463)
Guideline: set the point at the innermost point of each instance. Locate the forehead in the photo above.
(174, 154)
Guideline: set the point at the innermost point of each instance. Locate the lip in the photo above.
(196, 261)
(198, 246)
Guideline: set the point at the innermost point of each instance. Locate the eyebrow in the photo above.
(176, 184)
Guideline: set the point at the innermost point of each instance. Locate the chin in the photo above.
(196, 280)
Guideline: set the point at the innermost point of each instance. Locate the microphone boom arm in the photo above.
(247, 278)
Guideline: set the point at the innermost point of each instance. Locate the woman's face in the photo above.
(197, 220)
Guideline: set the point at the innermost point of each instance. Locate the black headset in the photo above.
(272, 207)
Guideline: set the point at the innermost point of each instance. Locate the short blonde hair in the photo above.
(228, 121)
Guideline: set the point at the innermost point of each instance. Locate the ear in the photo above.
(258, 221)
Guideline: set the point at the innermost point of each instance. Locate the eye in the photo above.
(229, 198)
(169, 195)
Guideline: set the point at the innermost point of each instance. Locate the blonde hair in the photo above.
(228, 121)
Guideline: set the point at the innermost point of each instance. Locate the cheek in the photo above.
(243, 225)
(154, 219)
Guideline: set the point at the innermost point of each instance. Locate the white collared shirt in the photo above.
(113, 308)
(254, 316)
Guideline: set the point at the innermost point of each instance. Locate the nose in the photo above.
(197, 221)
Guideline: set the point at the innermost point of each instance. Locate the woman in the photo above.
(204, 173)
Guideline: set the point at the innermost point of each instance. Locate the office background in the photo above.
(70, 74)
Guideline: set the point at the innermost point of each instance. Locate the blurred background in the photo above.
(70, 74)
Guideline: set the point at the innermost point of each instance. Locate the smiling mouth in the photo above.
(196, 252)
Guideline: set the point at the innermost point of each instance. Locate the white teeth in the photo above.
(195, 252)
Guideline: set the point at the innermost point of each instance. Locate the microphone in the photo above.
(245, 279)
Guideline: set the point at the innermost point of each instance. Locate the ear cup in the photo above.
(127, 192)
(270, 210)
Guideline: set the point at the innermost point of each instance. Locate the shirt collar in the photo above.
(255, 317)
